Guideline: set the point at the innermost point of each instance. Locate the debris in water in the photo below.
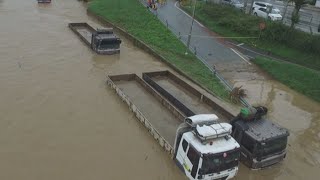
(237, 93)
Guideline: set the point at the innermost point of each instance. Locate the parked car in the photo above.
(273, 15)
(258, 4)
(235, 3)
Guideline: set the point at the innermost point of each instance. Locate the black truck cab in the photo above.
(263, 143)
(104, 41)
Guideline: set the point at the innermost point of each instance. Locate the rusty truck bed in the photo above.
(183, 96)
(83, 30)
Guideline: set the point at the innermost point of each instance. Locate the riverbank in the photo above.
(135, 19)
(301, 79)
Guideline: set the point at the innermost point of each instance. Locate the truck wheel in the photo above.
(255, 14)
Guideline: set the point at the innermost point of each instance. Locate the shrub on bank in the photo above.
(297, 46)
(249, 25)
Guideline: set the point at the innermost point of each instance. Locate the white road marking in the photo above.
(187, 14)
(240, 56)
(223, 37)
(240, 44)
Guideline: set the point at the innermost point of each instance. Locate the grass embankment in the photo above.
(299, 78)
(138, 21)
(293, 45)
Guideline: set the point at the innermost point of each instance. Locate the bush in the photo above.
(291, 44)
(312, 2)
(249, 25)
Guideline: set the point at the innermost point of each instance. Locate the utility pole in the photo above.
(245, 4)
(189, 36)
(251, 6)
(285, 11)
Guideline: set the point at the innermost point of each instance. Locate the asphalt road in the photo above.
(206, 45)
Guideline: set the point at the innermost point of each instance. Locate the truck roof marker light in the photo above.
(225, 155)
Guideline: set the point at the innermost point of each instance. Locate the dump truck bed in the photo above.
(183, 96)
(159, 116)
(83, 30)
(102, 41)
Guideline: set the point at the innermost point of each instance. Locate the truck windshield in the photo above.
(109, 44)
(213, 163)
(272, 146)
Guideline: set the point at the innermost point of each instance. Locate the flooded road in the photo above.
(58, 119)
(288, 108)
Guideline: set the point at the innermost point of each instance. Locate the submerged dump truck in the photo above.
(263, 143)
(102, 41)
(201, 146)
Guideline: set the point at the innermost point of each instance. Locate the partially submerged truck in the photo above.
(263, 143)
(201, 145)
(102, 41)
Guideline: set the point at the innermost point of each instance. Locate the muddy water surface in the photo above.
(58, 120)
(288, 108)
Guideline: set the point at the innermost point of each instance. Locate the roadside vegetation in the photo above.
(290, 44)
(142, 24)
(301, 79)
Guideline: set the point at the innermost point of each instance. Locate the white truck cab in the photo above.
(204, 148)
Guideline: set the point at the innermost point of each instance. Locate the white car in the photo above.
(274, 15)
(257, 5)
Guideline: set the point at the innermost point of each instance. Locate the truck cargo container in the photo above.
(201, 146)
(263, 142)
(102, 41)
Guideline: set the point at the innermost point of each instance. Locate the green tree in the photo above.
(295, 17)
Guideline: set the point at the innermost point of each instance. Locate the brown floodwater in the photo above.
(58, 119)
(298, 113)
